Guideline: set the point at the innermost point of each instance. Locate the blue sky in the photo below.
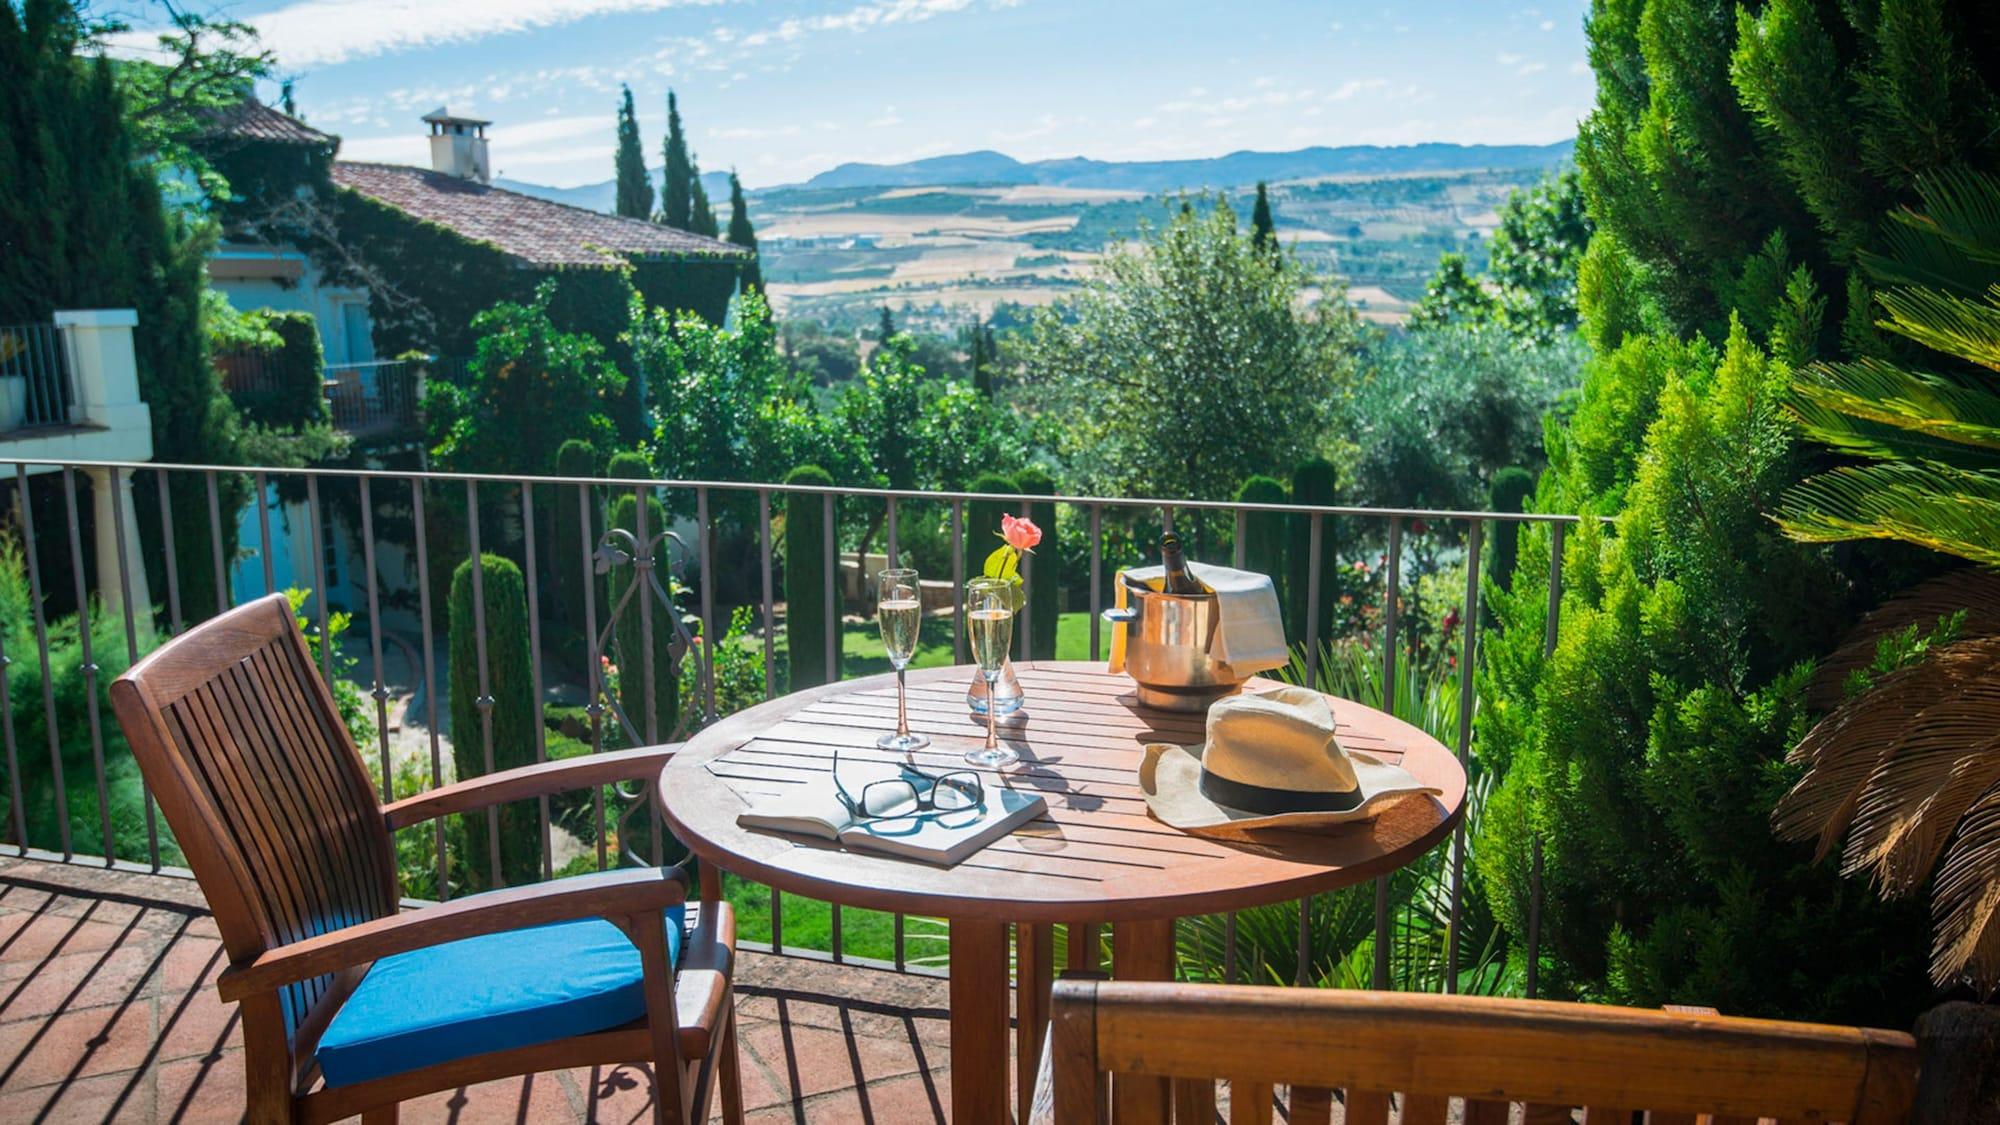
(781, 89)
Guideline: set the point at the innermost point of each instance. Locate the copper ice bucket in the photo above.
(1167, 641)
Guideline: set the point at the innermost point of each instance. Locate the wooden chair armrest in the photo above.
(539, 780)
(603, 894)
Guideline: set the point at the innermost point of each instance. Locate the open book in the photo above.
(942, 838)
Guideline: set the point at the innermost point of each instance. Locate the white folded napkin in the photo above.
(1250, 630)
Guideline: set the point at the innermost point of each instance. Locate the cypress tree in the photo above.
(743, 234)
(677, 190)
(887, 326)
(628, 638)
(1044, 593)
(1314, 482)
(982, 358)
(1264, 532)
(568, 544)
(1263, 231)
(513, 719)
(1509, 492)
(701, 216)
(808, 616)
(635, 184)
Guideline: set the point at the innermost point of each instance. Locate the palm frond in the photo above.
(1946, 322)
(1965, 905)
(1973, 591)
(1950, 241)
(1946, 509)
(1907, 400)
(1845, 750)
(1947, 756)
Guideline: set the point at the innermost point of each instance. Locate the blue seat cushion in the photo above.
(488, 993)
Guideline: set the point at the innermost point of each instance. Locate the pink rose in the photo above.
(1020, 534)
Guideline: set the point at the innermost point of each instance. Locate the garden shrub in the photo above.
(512, 713)
(1313, 482)
(1509, 493)
(1264, 532)
(629, 634)
(1044, 594)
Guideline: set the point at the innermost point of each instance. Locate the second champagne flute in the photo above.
(899, 610)
(989, 627)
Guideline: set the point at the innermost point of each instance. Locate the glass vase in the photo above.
(1007, 691)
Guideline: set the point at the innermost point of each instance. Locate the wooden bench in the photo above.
(1415, 1054)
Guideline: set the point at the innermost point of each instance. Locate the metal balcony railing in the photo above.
(37, 377)
(382, 531)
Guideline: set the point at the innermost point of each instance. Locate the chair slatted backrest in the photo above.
(1416, 1053)
(245, 751)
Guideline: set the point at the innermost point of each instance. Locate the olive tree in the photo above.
(1191, 361)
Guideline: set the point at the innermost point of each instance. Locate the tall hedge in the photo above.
(1313, 482)
(808, 617)
(513, 718)
(1044, 595)
(628, 639)
(567, 542)
(1264, 532)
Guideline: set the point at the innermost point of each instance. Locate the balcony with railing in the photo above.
(112, 955)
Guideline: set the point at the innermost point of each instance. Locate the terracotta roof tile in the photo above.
(252, 120)
(536, 231)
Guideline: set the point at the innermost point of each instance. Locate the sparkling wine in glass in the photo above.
(989, 628)
(899, 610)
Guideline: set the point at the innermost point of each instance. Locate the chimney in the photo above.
(458, 146)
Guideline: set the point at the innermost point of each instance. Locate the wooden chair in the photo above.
(241, 743)
(1421, 1051)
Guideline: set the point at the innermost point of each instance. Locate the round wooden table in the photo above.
(1098, 857)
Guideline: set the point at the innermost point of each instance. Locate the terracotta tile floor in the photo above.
(108, 1013)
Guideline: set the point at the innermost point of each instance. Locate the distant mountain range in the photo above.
(1238, 169)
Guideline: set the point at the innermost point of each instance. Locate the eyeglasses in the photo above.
(916, 792)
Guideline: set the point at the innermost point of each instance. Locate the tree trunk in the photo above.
(1959, 1082)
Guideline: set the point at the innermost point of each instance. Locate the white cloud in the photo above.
(326, 32)
(889, 117)
(1548, 25)
(1355, 86)
(1532, 68)
(1506, 58)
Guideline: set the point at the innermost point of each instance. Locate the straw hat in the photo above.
(1271, 761)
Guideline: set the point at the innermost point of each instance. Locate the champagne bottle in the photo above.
(1179, 580)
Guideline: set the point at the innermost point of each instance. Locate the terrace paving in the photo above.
(108, 1012)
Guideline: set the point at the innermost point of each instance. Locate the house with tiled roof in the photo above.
(399, 257)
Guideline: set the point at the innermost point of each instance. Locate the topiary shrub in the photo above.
(1313, 482)
(513, 715)
(283, 387)
(1509, 493)
(628, 637)
(808, 616)
(567, 544)
(1044, 596)
(1264, 532)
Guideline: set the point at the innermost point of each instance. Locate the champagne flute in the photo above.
(899, 610)
(989, 627)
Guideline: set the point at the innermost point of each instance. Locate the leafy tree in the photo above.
(677, 187)
(530, 387)
(635, 184)
(1192, 361)
(82, 147)
(1443, 409)
(510, 721)
(1263, 230)
(1452, 297)
(1535, 255)
(725, 403)
(820, 357)
(983, 355)
(743, 234)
